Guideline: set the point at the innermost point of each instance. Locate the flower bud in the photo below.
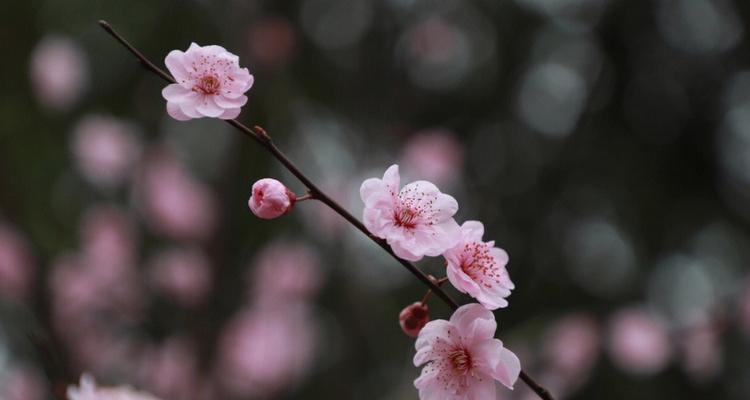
(270, 199)
(413, 318)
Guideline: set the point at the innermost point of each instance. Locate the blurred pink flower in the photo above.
(265, 351)
(416, 220)
(461, 357)
(270, 199)
(285, 272)
(183, 274)
(16, 264)
(638, 342)
(572, 345)
(413, 318)
(22, 383)
(478, 268)
(88, 390)
(171, 370)
(105, 149)
(175, 203)
(272, 41)
(58, 72)
(108, 238)
(434, 155)
(210, 83)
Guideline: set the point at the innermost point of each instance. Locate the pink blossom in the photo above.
(105, 149)
(461, 358)
(174, 202)
(210, 83)
(572, 345)
(435, 155)
(58, 72)
(638, 342)
(108, 238)
(171, 370)
(270, 199)
(88, 390)
(22, 383)
(413, 318)
(416, 220)
(478, 268)
(16, 264)
(183, 274)
(285, 271)
(265, 351)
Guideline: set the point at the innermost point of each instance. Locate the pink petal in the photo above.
(208, 107)
(371, 187)
(472, 231)
(392, 178)
(404, 251)
(225, 102)
(230, 113)
(508, 369)
(474, 322)
(177, 93)
(174, 111)
(175, 62)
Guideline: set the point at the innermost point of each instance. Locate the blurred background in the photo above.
(604, 144)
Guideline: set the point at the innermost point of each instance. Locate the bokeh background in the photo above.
(605, 144)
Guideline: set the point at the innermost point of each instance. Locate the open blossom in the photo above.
(88, 390)
(416, 220)
(58, 71)
(478, 268)
(105, 149)
(210, 83)
(270, 199)
(462, 359)
(413, 318)
(638, 342)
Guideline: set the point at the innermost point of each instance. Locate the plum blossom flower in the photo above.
(176, 203)
(265, 351)
(270, 199)
(285, 272)
(461, 357)
(416, 220)
(183, 274)
(413, 318)
(435, 155)
(88, 390)
(210, 83)
(478, 268)
(59, 72)
(638, 342)
(105, 149)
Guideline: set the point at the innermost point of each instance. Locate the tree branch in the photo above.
(259, 135)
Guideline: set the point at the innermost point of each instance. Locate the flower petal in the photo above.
(174, 111)
(472, 231)
(474, 322)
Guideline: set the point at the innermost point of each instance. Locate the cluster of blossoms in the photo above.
(461, 358)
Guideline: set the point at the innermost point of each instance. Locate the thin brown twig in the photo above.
(261, 136)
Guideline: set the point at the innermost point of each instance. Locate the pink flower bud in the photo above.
(270, 199)
(413, 318)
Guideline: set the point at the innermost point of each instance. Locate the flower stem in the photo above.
(261, 136)
(308, 196)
